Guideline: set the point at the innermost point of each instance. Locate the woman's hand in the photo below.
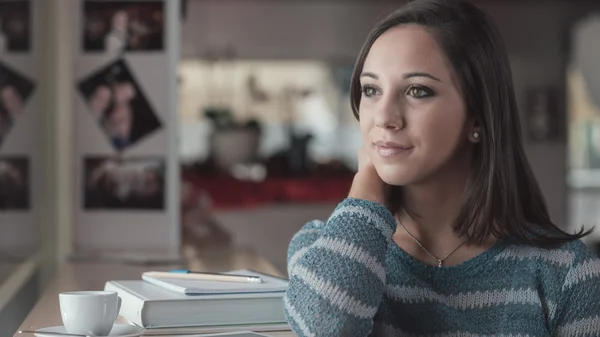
(367, 184)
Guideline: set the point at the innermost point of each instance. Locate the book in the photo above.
(197, 287)
(236, 334)
(151, 306)
(164, 332)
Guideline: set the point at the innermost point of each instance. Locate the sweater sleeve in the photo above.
(578, 312)
(337, 270)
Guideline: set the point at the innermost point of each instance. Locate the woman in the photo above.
(445, 231)
(119, 122)
(116, 40)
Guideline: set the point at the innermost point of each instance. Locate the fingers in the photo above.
(363, 159)
(367, 183)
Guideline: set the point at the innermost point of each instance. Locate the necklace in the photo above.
(440, 261)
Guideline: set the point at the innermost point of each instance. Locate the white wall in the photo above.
(281, 29)
(535, 33)
(58, 147)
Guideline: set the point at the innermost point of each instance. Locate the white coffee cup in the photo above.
(89, 312)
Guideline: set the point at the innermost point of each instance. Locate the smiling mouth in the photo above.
(390, 149)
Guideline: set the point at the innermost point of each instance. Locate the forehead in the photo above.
(404, 49)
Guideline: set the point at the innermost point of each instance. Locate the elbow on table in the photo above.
(310, 315)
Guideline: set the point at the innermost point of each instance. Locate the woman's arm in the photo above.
(578, 309)
(337, 270)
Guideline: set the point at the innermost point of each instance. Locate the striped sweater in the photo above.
(348, 278)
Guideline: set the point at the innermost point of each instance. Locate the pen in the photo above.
(204, 276)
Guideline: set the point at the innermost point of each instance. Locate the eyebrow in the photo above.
(405, 76)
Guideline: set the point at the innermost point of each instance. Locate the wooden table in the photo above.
(92, 276)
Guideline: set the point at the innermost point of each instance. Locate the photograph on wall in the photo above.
(123, 26)
(15, 26)
(133, 183)
(15, 89)
(118, 104)
(14, 183)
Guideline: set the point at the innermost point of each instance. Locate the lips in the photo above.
(391, 149)
(390, 144)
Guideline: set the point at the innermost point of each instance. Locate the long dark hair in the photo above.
(502, 196)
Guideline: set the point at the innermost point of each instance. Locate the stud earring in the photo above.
(476, 135)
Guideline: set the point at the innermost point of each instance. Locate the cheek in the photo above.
(441, 129)
(366, 123)
(440, 137)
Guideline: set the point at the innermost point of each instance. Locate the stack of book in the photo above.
(167, 303)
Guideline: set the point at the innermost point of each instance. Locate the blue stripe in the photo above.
(368, 290)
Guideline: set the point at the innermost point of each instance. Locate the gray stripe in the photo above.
(585, 327)
(316, 222)
(587, 270)
(563, 258)
(464, 301)
(296, 317)
(357, 254)
(337, 297)
(552, 309)
(372, 217)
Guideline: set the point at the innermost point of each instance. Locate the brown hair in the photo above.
(502, 196)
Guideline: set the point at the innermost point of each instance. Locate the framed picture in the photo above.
(115, 184)
(15, 89)
(123, 26)
(15, 26)
(118, 104)
(14, 183)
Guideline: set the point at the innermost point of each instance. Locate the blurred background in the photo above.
(254, 135)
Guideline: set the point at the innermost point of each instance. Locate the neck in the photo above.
(430, 207)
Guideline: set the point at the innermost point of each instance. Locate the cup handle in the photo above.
(118, 306)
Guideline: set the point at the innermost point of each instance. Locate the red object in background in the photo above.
(228, 192)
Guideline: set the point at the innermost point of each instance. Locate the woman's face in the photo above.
(120, 20)
(100, 99)
(412, 116)
(124, 92)
(120, 114)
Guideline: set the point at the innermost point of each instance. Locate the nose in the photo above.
(390, 115)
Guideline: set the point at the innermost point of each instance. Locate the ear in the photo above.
(474, 132)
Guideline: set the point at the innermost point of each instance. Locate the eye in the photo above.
(418, 91)
(369, 91)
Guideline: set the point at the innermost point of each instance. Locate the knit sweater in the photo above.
(348, 278)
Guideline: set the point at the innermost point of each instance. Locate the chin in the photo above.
(393, 175)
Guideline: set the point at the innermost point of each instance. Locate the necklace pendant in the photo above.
(440, 263)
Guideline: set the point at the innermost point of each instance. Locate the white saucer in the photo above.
(118, 330)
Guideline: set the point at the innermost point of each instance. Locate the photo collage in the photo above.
(16, 89)
(120, 108)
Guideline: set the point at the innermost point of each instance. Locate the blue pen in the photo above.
(205, 276)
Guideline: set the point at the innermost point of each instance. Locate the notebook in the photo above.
(237, 334)
(218, 330)
(151, 306)
(194, 287)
